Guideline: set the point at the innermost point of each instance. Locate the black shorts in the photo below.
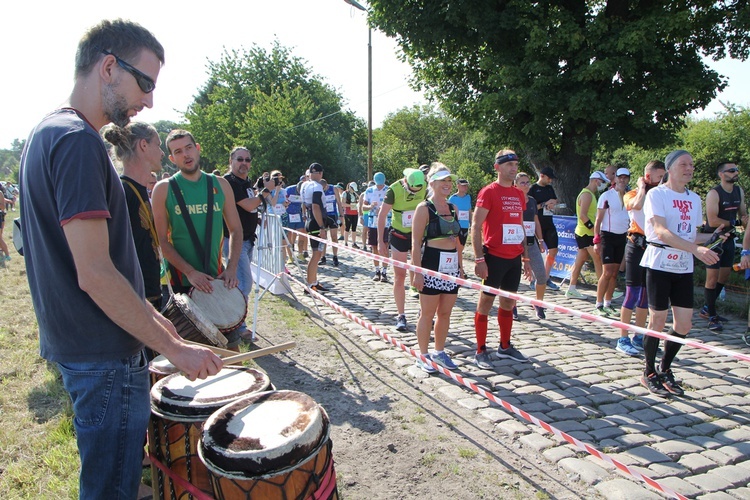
(400, 242)
(549, 235)
(313, 229)
(504, 274)
(613, 247)
(584, 242)
(664, 287)
(350, 222)
(726, 259)
(635, 275)
(372, 236)
(432, 285)
(463, 235)
(331, 222)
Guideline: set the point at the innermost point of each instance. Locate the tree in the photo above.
(271, 103)
(560, 79)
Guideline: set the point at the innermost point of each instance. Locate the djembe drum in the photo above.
(190, 321)
(226, 308)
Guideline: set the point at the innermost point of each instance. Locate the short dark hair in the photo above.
(722, 164)
(654, 165)
(239, 148)
(125, 39)
(178, 133)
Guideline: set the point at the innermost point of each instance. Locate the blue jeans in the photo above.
(244, 275)
(112, 407)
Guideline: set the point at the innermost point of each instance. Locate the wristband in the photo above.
(479, 260)
(588, 224)
(744, 253)
(597, 238)
(524, 260)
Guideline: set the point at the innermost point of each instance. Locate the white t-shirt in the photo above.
(375, 195)
(615, 218)
(683, 215)
(307, 190)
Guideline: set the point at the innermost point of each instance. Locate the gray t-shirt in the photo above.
(66, 175)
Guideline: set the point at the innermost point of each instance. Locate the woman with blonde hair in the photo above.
(435, 230)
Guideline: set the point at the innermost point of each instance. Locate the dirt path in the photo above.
(398, 434)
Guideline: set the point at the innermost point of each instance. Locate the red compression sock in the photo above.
(505, 320)
(480, 327)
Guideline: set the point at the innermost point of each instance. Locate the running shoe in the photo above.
(401, 323)
(341, 238)
(611, 311)
(532, 284)
(669, 383)
(425, 367)
(377, 276)
(746, 337)
(305, 255)
(552, 285)
(616, 294)
(573, 293)
(414, 292)
(443, 360)
(626, 347)
(601, 311)
(703, 313)
(540, 312)
(354, 245)
(515, 313)
(482, 359)
(637, 342)
(654, 385)
(322, 260)
(7, 257)
(511, 353)
(336, 260)
(290, 260)
(714, 324)
(316, 288)
(302, 256)
(383, 277)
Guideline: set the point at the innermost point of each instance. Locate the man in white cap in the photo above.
(610, 238)
(673, 214)
(402, 197)
(372, 201)
(586, 214)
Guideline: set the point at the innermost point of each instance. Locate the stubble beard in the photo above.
(115, 106)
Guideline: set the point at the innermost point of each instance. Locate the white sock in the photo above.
(571, 287)
(607, 303)
(599, 304)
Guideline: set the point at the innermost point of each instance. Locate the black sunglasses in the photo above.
(144, 81)
(730, 171)
(241, 159)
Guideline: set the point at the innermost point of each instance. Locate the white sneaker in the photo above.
(573, 293)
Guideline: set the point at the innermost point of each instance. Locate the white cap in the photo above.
(353, 185)
(622, 171)
(600, 176)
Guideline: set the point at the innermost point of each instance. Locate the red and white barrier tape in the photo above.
(486, 394)
(547, 305)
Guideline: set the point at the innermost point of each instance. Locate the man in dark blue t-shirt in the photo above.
(85, 281)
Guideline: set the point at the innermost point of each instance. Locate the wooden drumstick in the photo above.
(216, 350)
(236, 358)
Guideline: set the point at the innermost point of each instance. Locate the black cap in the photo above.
(316, 167)
(463, 182)
(548, 172)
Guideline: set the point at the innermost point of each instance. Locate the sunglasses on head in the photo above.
(145, 82)
(730, 170)
(241, 159)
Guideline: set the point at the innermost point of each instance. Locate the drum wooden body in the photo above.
(190, 321)
(225, 308)
(179, 409)
(267, 456)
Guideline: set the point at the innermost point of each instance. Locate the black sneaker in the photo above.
(654, 385)
(322, 261)
(335, 260)
(540, 312)
(305, 254)
(377, 275)
(515, 313)
(316, 288)
(669, 383)
(383, 277)
(354, 245)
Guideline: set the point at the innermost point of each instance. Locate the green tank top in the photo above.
(582, 230)
(403, 204)
(196, 202)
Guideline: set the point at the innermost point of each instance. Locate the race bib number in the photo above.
(529, 226)
(279, 209)
(547, 211)
(294, 198)
(329, 207)
(448, 263)
(463, 215)
(675, 261)
(406, 218)
(295, 218)
(513, 234)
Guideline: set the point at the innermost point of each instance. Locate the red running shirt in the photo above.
(503, 232)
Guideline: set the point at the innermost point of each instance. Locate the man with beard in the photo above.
(138, 148)
(725, 204)
(191, 263)
(81, 263)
